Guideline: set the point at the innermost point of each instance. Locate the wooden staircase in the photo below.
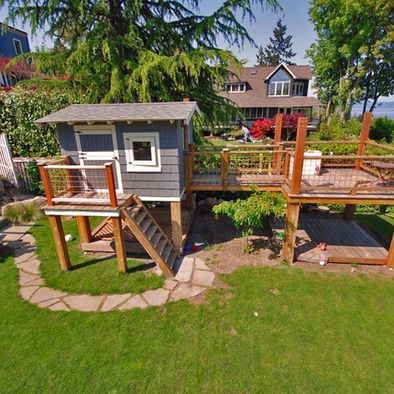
(149, 234)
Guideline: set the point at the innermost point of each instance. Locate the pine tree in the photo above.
(279, 50)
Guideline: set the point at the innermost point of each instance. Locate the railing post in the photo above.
(224, 167)
(111, 184)
(47, 184)
(188, 169)
(286, 167)
(299, 155)
(390, 258)
(364, 136)
(277, 138)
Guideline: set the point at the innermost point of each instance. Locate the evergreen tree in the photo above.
(139, 51)
(279, 50)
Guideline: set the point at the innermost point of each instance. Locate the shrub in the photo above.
(18, 111)
(247, 213)
(23, 213)
(261, 128)
(382, 129)
(338, 130)
(33, 172)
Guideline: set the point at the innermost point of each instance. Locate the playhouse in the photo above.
(117, 158)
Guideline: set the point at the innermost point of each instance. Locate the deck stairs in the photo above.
(149, 234)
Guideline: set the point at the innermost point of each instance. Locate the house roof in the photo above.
(256, 93)
(97, 113)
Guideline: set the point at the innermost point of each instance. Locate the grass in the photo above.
(90, 274)
(318, 333)
(382, 225)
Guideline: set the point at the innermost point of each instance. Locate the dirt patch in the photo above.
(222, 249)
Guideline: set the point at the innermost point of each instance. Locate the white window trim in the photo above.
(132, 165)
(236, 83)
(20, 43)
(278, 95)
(100, 129)
(296, 85)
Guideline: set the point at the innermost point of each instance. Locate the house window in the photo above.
(279, 88)
(142, 152)
(235, 87)
(18, 47)
(298, 89)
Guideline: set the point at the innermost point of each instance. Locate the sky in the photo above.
(294, 15)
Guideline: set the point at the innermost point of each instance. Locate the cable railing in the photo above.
(79, 184)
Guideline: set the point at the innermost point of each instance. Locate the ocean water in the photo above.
(385, 108)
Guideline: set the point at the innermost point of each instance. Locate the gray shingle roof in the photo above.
(82, 113)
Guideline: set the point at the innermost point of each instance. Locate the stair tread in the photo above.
(161, 246)
(167, 252)
(145, 224)
(134, 210)
(150, 232)
(140, 217)
(156, 238)
(171, 260)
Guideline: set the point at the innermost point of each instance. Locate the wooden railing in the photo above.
(75, 184)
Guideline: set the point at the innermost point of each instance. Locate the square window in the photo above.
(272, 89)
(278, 89)
(142, 150)
(285, 88)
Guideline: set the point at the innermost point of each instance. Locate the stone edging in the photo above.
(193, 278)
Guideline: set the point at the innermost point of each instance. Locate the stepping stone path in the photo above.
(193, 278)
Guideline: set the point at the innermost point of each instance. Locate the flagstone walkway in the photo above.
(193, 278)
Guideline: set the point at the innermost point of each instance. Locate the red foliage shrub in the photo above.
(261, 127)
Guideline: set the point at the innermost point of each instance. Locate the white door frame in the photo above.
(105, 155)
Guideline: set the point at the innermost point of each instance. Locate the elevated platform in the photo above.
(347, 242)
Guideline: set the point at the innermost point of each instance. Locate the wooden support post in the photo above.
(348, 213)
(189, 201)
(276, 160)
(291, 224)
(85, 232)
(119, 244)
(47, 184)
(109, 171)
(364, 136)
(188, 170)
(176, 223)
(224, 167)
(390, 259)
(60, 243)
(299, 155)
(186, 137)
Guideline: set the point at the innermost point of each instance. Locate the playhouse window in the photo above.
(142, 152)
(18, 47)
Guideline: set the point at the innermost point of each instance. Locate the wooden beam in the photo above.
(176, 223)
(364, 136)
(85, 232)
(186, 139)
(47, 184)
(111, 184)
(119, 244)
(60, 242)
(298, 163)
(189, 201)
(291, 223)
(224, 167)
(390, 259)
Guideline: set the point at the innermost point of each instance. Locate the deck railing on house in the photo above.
(91, 184)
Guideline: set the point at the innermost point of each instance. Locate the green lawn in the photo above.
(323, 332)
(90, 274)
(381, 225)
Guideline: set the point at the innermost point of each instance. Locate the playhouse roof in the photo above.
(96, 113)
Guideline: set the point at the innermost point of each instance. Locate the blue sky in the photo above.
(294, 15)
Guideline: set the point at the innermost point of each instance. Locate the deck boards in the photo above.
(347, 242)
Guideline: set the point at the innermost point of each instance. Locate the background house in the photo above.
(267, 91)
(13, 42)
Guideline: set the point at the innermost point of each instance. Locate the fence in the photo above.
(7, 170)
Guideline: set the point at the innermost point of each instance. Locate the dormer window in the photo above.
(235, 87)
(18, 47)
(298, 89)
(279, 88)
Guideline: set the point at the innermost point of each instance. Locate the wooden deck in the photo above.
(347, 242)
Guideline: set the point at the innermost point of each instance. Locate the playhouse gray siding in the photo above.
(165, 184)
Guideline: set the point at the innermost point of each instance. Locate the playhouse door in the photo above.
(97, 145)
